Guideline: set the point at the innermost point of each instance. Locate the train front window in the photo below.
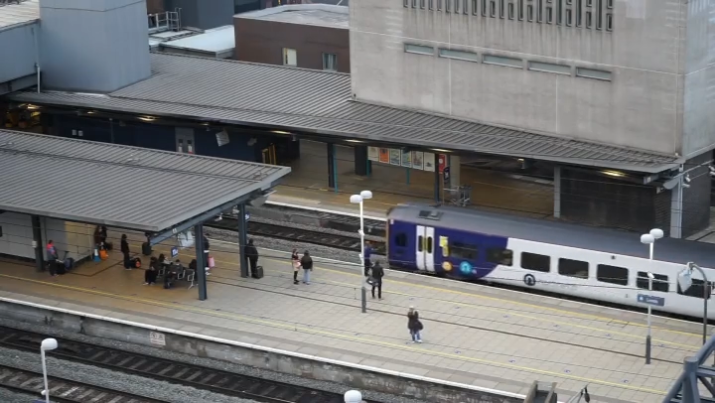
(460, 250)
(500, 256)
(660, 283)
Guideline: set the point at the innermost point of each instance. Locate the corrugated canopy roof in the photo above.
(129, 187)
(285, 98)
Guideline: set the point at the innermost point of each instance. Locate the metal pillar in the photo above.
(557, 191)
(369, 168)
(332, 168)
(242, 239)
(361, 160)
(37, 240)
(455, 170)
(111, 130)
(201, 262)
(407, 175)
(436, 178)
(676, 209)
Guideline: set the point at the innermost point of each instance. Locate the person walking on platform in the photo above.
(252, 255)
(52, 258)
(366, 258)
(295, 262)
(414, 324)
(376, 276)
(306, 262)
(124, 247)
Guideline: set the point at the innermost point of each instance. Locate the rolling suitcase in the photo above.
(259, 272)
(146, 249)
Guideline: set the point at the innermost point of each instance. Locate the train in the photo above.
(562, 258)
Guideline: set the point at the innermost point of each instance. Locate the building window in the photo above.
(612, 274)
(503, 61)
(599, 14)
(414, 3)
(458, 54)
(521, 10)
(539, 13)
(405, 3)
(420, 50)
(447, 5)
(492, 8)
(474, 7)
(609, 22)
(439, 5)
(578, 13)
(422, 4)
(500, 256)
(530, 13)
(568, 18)
(660, 282)
(573, 268)
(501, 9)
(431, 4)
(589, 3)
(536, 262)
(465, 7)
(550, 68)
(549, 15)
(290, 57)
(330, 62)
(589, 19)
(510, 12)
(595, 74)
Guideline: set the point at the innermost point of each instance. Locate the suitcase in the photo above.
(259, 272)
(69, 264)
(146, 249)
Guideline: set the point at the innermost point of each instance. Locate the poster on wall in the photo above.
(395, 157)
(373, 154)
(385, 155)
(417, 160)
(429, 162)
(442, 162)
(407, 159)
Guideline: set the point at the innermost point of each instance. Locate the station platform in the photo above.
(474, 335)
(307, 185)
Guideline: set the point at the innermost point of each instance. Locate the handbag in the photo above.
(212, 262)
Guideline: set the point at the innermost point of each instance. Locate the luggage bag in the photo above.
(146, 249)
(259, 272)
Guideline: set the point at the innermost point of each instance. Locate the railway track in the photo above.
(223, 382)
(64, 390)
(342, 242)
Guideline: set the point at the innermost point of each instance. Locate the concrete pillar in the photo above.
(676, 210)
(332, 168)
(37, 243)
(557, 191)
(360, 160)
(201, 262)
(242, 238)
(455, 170)
(436, 179)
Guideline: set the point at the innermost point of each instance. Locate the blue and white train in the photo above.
(592, 263)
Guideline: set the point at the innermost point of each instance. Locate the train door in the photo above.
(425, 248)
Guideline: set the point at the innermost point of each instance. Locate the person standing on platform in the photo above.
(377, 274)
(124, 247)
(306, 262)
(414, 324)
(366, 258)
(51, 253)
(151, 272)
(295, 262)
(252, 254)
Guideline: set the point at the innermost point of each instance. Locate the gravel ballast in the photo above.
(192, 395)
(7, 396)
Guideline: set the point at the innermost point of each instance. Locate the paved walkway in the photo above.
(473, 334)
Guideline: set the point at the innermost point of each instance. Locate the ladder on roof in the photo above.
(174, 19)
(166, 21)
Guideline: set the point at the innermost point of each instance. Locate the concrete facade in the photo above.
(93, 46)
(650, 60)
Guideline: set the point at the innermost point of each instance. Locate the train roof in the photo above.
(552, 232)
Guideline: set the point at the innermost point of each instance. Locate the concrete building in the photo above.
(314, 36)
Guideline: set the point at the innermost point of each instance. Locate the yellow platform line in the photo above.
(373, 342)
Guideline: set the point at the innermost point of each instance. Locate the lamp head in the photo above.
(353, 396)
(647, 239)
(656, 233)
(366, 194)
(48, 344)
(355, 199)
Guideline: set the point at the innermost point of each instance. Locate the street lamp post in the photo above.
(685, 281)
(650, 239)
(359, 199)
(47, 345)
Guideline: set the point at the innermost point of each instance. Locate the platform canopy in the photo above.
(122, 186)
(313, 101)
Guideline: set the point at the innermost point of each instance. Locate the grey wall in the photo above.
(204, 14)
(642, 107)
(17, 45)
(93, 46)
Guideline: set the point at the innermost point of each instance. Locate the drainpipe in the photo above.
(36, 34)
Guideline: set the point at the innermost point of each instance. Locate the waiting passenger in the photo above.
(252, 254)
(414, 324)
(367, 258)
(124, 247)
(51, 254)
(306, 262)
(376, 279)
(151, 272)
(295, 263)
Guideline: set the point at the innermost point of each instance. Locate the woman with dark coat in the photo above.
(151, 272)
(414, 324)
(124, 247)
(306, 262)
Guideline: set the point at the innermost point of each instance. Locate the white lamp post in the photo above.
(650, 239)
(47, 345)
(359, 199)
(353, 396)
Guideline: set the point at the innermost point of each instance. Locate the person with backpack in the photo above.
(124, 247)
(306, 262)
(376, 278)
(295, 262)
(414, 324)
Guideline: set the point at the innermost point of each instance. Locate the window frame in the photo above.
(563, 260)
(327, 57)
(642, 282)
(548, 259)
(613, 280)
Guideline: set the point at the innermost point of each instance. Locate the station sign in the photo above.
(651, 300)
(174, 252)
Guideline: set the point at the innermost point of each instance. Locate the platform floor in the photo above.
(473, 334)
(308, 184)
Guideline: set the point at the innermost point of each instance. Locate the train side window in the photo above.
(695, 290)
(573, 268)
(401, 239)
(429, 244)
(420, 243)
(612, 274)
(536, 262)
(460, 250)
(501, 256)
(660, 282)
